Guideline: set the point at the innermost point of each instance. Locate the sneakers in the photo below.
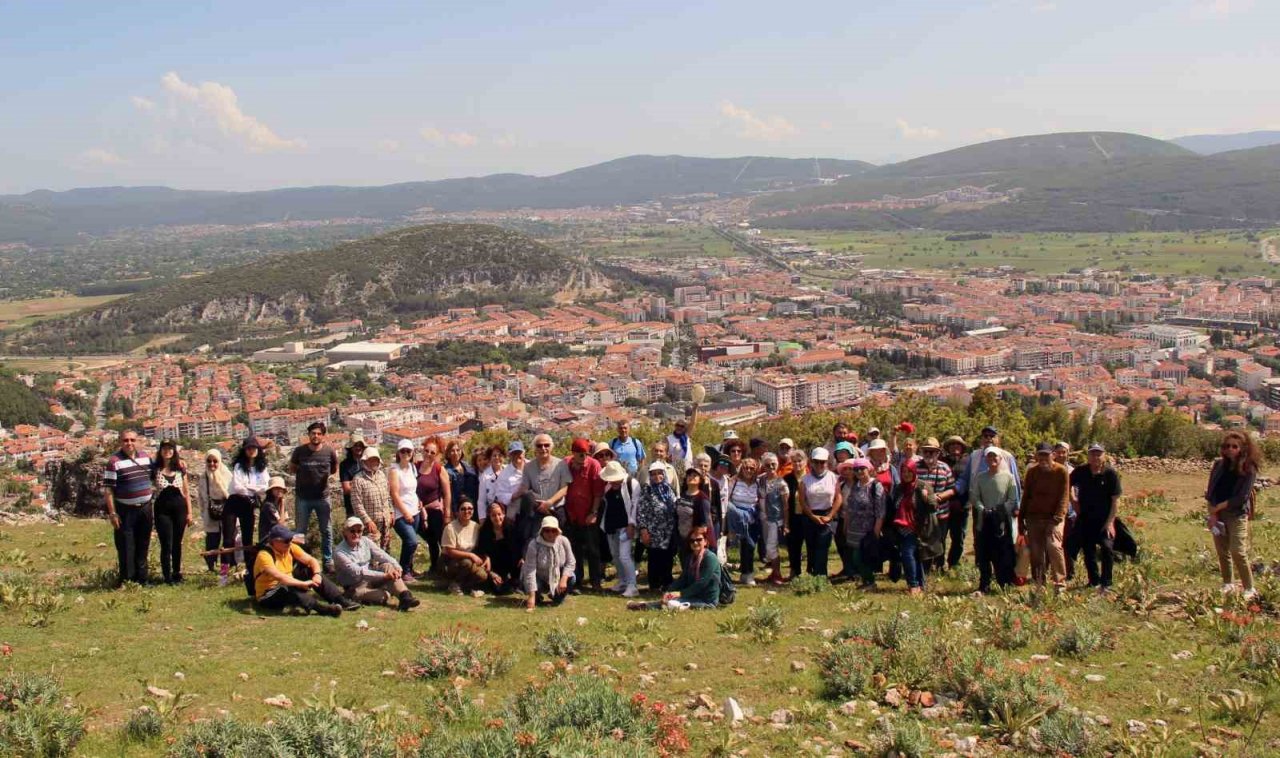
(455, 589)
(618, 589)
(747, 581)
(477, 593)
(1249, 594)
(350, 605)
(407, 601)
(330, 609)
(631, 592)
(1228, 589)
(409, 576)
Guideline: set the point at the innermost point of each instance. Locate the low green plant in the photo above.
(810, 584)
(319, 732)
(1007, 627)
(1070, 733)
(847, 668)
(1236, 706)
(560, 643)
(143, 725)
(1079, 639)
(897, 631)
(901, 738)
(764, 621)
(1008, 697)
(34, 721)
(457, 652)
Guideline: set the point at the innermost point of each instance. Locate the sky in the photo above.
(237, 96)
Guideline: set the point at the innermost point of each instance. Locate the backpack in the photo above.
(728, 592)
(250, 558)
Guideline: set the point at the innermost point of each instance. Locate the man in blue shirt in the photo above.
(628, 449)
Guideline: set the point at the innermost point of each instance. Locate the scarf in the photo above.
(663, 492)
(219, 481)
(683, 439)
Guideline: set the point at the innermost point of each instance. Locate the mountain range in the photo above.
(1208, 144)
(43, 216)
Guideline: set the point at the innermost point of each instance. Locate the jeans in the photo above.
(908, 546)
(620, 546)
(994, 554)
(281, 597)
(212, 540)
(237, 511)
(1096, 548)
(661, 561)
(551, 596)
(957, 526)
(856, 566)
(133, 541)
(408, 540)
(171, 525)
(320, 507)
(585, 541)
(1233, 548)
(431, 529)
(818, 541)
(795, 544)
(746, 557)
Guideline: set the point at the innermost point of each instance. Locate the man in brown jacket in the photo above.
(1045, 494)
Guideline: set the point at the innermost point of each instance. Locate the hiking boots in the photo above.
(329, 609)
(407, 601)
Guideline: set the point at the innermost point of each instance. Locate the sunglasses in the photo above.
(466, 508)
(542, 445)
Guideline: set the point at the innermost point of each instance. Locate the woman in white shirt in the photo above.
(402, 478)
(249, 479)
(819, 500)
(509, 481)
(489, 482)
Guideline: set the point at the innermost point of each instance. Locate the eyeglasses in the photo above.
(429, 451)
(355, 529)
(542, 445)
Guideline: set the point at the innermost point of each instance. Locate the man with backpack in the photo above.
(628, 450)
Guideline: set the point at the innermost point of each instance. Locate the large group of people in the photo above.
(545, 527)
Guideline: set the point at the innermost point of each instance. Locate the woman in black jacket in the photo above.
(500, 546)
(1230, 501)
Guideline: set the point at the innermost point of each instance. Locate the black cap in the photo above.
(755, 442)
(1044, 447)
(989, 431)
(280, 532)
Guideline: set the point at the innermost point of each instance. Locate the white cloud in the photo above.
(142, 103)
(1220, 8)
(753, 127)
(506, 141)
(101, 156)
(439, 138)
(220, 102)
(917, 132)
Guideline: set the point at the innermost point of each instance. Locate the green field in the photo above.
(663, 241)
(15, 314)
(1228, 253)
(1166, 655)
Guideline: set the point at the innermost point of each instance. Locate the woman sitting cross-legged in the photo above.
(699, 583)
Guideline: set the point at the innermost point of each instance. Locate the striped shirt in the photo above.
(128, 478)
(939, 478)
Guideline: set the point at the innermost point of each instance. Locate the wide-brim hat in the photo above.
(549, 522)
(931, 443)
(953, 439)
(613, 472)
(277, 483)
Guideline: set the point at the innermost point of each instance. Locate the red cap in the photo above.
(907, 427)
(581, 445)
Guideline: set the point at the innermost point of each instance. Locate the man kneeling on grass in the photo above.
(367, 573)
(276, 588)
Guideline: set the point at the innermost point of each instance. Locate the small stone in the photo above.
(158, 692)
(798, 666)
(935, 713)
(181, 677)
(861, 748)
(732, 711)
(1161, 723)
(740, 672)
(849, 708)
(582, 621)
(1136, 727)
(892, 697)
(647, 679)
(704, 700)
(386, 672)
(244, 677)
(691, 666)
(928, 700)
(1094, 678)
(1181, 655)
(1102, 720)
(362, 624)
(966, 744)
(279, 701)
(1039, 658)
(782, 716)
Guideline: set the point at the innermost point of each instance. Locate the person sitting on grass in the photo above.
(272, 511)
(698, 586)
(276, 588)
(499, 546)
(549, 566)
(368, 574)
(462, 567)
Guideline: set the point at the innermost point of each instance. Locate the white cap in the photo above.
(371, 452)
(877, 444)
(993, 450)
(405, 444)
(786, 441)
(657, 466)
(819, 454)
(873, 430)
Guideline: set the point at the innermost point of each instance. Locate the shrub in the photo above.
(914, 666)
(898, 631)
(313, 732)
(810, 584)
(1007, 628)
(847, 668)
(220, 738)
(18, 689)
(1261, 654)
(1079, 639)
(764, 621)
(457, 652)
(901, 738)
(34, 721)
(143, 725)
(996, 692)
(1072, 734)
(559, 643)
(486, 743)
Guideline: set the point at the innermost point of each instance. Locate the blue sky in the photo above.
(233, 95)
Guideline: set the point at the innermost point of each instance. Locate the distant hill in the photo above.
(1208, 144)
(44, 217)
(1085, 181)
(418, 270)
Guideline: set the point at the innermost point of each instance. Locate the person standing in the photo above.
(172, 508)
(505, 486)
(954, 456)
(994, 500)
(937, 475)
(618, 522)
(249, 480)
(1229, 497)
(792, 468)
(582, 512)
(213, 486)
(658, 521)
(1097, 491)
(371, 500)
(1070, 543)
(487, 489)
(660, 453)
(435, 499)
(865, 501)
(820, 502)
(126, 486)
(350, 467)
(679, 444)
(915, 517)
(743, 518)
(1046, 491)
(628, 449)
(402, 483)
(543, 485)
(774, 501)
(464, 481)
(312, 464)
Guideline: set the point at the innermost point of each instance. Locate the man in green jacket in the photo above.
(994, 501)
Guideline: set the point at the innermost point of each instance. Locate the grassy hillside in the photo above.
(418, 270)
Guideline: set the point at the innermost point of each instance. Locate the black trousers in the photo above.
(282, 597)
(1097, 548)
(1071, 547)
(212, 541)
(957, 528)
(171, 525)
(993, 549)
(746, 557)
(432, 530)
(585, 541)
(133, 541)
(818, 542)
(237, 512)
(795, 545)
(661, 562)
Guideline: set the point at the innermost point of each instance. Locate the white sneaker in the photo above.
(1228, 589)
(748, 581)
(631, 592)
(1249, 594)
(477, 593)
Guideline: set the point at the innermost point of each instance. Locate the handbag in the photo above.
(215, 507)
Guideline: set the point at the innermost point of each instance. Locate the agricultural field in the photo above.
(1164, 666)
(662, 241)
(1231, 254)
(15, 314)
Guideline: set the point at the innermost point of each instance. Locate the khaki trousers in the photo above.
(377, 591)
(464, 572)
(1233, 548)
(1044, 539)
